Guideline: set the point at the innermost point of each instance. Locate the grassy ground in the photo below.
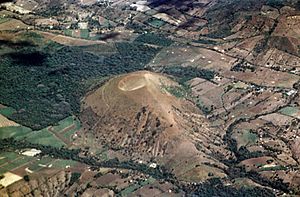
(7, 156)
(84, 33)
(156, 23)
(57, 136)
(37, 165)
(44, 137)
(63, 124)
(68, 135)
(248, 137)
(290, 111)
(18, 132)
(68, 32)
(67, 127)
(179, 92)
(3, 20)
(7, 111)
(127, 191)
(12, 161)
(63, 163)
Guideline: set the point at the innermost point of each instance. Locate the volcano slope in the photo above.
(137, 117)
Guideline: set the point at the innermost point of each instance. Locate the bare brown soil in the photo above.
(135, 115)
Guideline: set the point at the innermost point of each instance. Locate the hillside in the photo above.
(135, 115)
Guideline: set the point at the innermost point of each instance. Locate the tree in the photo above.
(26, 178)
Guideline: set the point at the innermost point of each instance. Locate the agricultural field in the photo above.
(9, 178)
(8, 24)
(44, 137)
(14, 166)
(17, 132)
(129, 190)
(245, 138)
(11, 160)
(291, 111)
(61, 164)
(3, 20)
(4, 122)
(80, 33)
(60, 135)
(57, 136)
(155, 22)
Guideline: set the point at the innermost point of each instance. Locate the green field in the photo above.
(63, 163)
(204, 108)
(43, 161)
(44, 137)
(127, 191)
(64, 124)
(68, 32)
(177, 91)
(17, 132)
(67, 135)
(245, 137)
(290, 111)
(11, 161)
(7, 156)
(275, 168)
(67, 127)
(3, 20)
(248, 137)
(156, 22)
(84, 33)
(7, 111)
(102, 153)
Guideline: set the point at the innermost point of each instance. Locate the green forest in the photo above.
(45, 87)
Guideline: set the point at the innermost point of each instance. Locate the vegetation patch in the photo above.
(17, 132)
(4, 20)
(128, 191)
(155, 39)
(40, 164)
(7, 156)
(248, 137)
(274, 168)
(74, 177)
(289, 111)
(63, 124)
(184, 74)
(44, 137)
(50, 85)
(14, 161)
(275, 3)
(68, 32)
(84, 33)
(61, 163)
(215, 187)
(206, 41)
(178, 91)
(7, 111)
(205, 109)
(157, 23)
